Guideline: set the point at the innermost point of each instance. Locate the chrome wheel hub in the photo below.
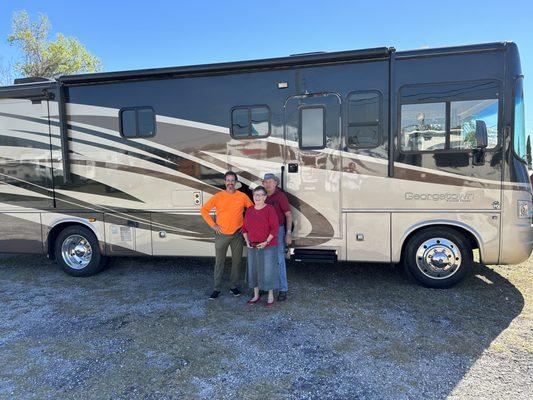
(438, 258)
(76, 251)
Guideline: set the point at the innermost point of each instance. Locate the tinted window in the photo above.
(364, 109)
(137, 122)
(519, 138)
(463, 117)
(312, 127)
(363, 136)
(423, 127)
(146, 122)
(260, 119)
(250, 122)
(240, 122)
(443, 116)
(129, 126)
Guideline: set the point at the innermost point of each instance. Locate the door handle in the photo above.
(293, 168)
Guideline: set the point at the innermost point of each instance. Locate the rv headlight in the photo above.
(524, 209)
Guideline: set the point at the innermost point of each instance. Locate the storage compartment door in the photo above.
(368, 237)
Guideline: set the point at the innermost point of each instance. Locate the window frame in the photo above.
(324, 119)
(379, 123)
(136, 109)
(249, 108)
(447, 103)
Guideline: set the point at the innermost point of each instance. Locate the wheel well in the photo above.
(466, 233)
(54, 233)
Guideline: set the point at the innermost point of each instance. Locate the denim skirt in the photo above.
(263, 271)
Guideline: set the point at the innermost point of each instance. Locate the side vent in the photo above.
(314, 255)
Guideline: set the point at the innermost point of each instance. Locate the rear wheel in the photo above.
(438, 257)
(78, 252)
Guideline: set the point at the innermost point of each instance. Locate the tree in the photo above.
(6, 73)
(42, 57)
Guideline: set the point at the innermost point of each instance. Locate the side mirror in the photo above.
(528, 152)
(481, 134)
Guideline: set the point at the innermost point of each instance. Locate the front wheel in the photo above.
(438, 257)
(78, 252)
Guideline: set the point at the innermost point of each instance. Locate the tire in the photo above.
(78, 252)
(445, 260)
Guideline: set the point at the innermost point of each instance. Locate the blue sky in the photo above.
(158, 33)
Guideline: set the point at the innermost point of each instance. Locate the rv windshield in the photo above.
(519, 121)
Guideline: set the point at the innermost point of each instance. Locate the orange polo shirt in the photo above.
(229, 209)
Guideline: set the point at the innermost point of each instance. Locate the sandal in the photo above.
(252, 301)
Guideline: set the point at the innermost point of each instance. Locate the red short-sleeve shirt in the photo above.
(258, 224)
(279, 201)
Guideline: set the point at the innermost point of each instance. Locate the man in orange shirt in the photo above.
(229, 208)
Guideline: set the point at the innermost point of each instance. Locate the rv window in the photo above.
(463, 117)
(240, 125)
(423, 127)
(364, 111)
(442, 116)
(312, 127)
(250, 122)
(137, 122)
(129, 126)
(146, 122)
(259, 120)
(519, 136)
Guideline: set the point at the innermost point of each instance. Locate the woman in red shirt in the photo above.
(260, 230)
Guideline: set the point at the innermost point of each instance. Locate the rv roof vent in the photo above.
(32, 79)
(312, 53)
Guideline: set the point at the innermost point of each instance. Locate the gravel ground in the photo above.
(144, 328)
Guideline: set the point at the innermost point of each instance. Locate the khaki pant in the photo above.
(222, 242)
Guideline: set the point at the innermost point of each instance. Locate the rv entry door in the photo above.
(312, 165)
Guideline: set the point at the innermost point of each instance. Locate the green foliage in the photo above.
(42, 57)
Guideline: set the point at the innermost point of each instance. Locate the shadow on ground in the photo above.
(144, 328)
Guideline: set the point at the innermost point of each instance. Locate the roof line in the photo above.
(470, 48)
(305, 59)
(269, 63)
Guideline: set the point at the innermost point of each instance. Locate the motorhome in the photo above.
(386, 156)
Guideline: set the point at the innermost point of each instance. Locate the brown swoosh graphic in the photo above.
(366, 167)
(321, 229)
(154, 174)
